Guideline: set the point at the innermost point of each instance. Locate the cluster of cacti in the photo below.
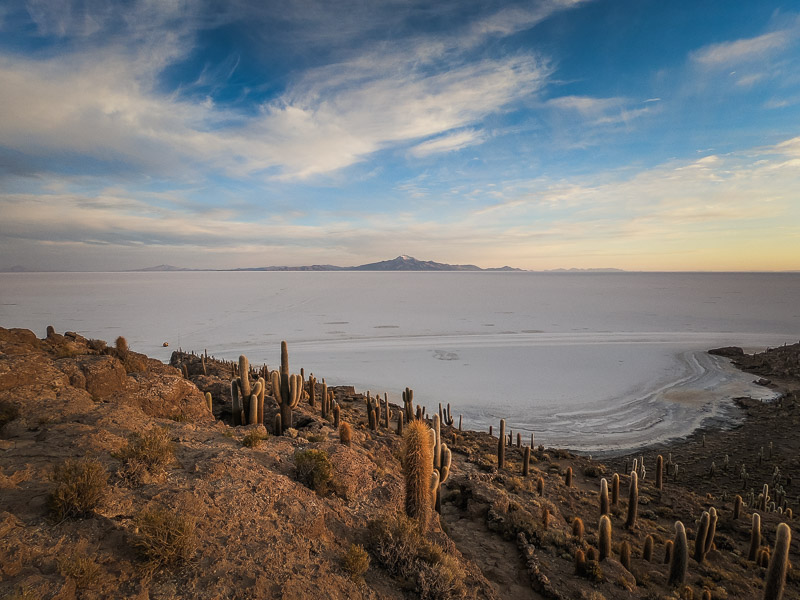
(247, 401)
(706, 531)
(446, 416)
(312, 390)
(373, 412)
(408, 404)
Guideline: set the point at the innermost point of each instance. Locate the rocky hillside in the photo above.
(119, 481)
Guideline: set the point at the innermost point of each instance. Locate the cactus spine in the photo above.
(700, 538)
(408, 404)
(778, 564)
(660, 472)
(604, 496)
(577, 528)
(633, 501)
(712, 530)
(604, 537)
(526, 461)
(345, 434)
(312, 390)
(501, 445)
(680, 556)
(418, 471)
(755, 537)
(647, 551)
(625, 555)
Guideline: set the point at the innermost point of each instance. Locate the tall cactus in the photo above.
(408, 404)
(288, 395)
(312, 390)
(680, 556)
(778, 564)
(700, 538)
(712, 529)
(604, 537)
(437, 445)
(418, 471)
(604, 510)
(501, 445)
(660, 472)
(633, 501)
(755, 537)
(615, 489)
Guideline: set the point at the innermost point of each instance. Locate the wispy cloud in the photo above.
(446, 143)
(328, 118)
(663, 210)
(745, 50)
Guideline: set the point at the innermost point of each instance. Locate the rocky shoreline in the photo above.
(260, 529)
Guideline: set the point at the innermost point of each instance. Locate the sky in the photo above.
(634, 134)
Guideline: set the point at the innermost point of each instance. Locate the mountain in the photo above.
(401, 263)
(164, 268)
(409, 263)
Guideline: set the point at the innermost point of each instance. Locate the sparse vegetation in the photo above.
(254, 438)
(80, 487)
(146, 454)
(356, 561)
(80, 566)
(400, 546)
(314, 469)
(165, 538)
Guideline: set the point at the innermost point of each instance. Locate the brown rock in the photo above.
(105, 375)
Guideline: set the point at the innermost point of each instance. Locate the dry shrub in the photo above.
(80, 487)
(314, 469)
(402, 549)
(356, 561)
(345, 434)
(166, 538)
(254, 438)
(80, 566)
(121, 346)
(146, 454)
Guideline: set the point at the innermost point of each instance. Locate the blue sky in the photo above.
(542, 134)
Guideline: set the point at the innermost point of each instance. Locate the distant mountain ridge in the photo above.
(401, 263)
